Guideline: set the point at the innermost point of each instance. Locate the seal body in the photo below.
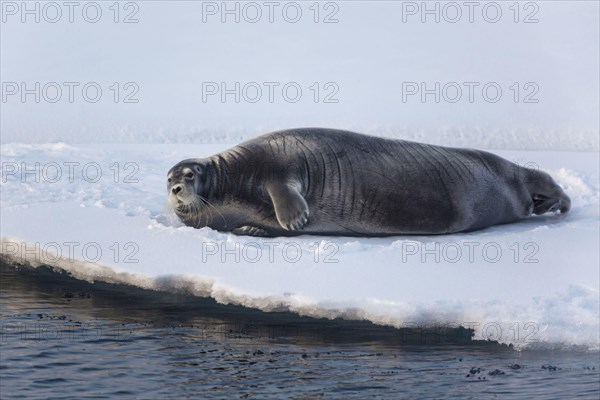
(333, 182)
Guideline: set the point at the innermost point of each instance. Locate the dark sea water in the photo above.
(63, 338)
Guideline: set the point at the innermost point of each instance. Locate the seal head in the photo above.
(188, 188)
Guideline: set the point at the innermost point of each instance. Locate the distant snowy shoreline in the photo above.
(471, 137)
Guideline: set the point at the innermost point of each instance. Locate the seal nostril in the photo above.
(176, 189)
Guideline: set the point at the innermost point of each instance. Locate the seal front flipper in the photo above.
(291, 209)
(250, 231)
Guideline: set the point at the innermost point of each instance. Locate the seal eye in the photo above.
(189, 175)
(169, 180)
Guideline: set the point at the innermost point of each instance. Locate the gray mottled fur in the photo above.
(333, 182)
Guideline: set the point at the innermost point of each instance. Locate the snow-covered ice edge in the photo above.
(531, 284)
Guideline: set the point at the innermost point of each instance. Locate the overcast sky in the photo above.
(365, 64)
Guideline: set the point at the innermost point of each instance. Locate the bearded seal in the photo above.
(333, 182)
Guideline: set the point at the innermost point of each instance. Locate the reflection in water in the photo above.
(108, 307)
(68, 338)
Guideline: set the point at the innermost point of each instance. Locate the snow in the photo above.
(533, 283)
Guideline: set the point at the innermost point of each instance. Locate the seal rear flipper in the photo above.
(546, 195)
(543, 204)
(291, 208)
